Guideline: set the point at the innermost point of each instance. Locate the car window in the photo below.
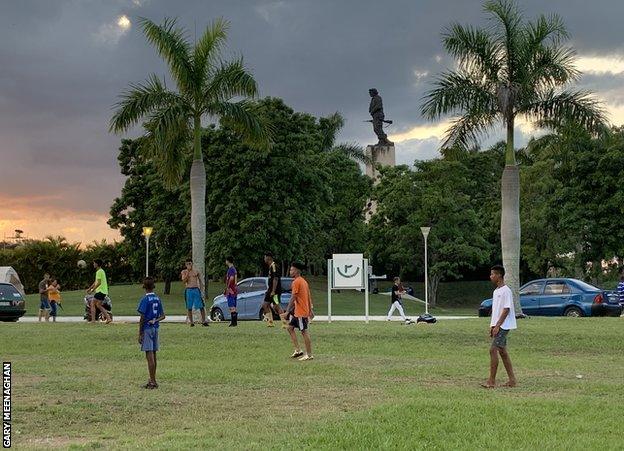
(585, 286)
(557, 288)
(9, 293)
(286, 285)
(245, 286)
(259, 285)
(532, 288)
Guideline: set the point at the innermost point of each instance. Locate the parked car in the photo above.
(250, 298)
(567, 297)
(12, 303)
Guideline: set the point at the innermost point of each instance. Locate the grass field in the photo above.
(455, 298)
(382, 386)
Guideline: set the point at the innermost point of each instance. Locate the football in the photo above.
(82, 264)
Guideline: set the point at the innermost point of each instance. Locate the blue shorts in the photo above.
(193, 299)
(150, 339)
(231, 299)
(45, 304)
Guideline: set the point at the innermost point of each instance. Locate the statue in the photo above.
(376, 111)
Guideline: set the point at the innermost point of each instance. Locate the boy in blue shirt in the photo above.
(152, 313)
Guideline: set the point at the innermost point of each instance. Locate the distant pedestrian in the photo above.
(193, 293)
(620, 292)
(231, 290)
(396, 301)
(152, 313)
(100, 288)
(54, 296)
(272, 297)
(503, 320)
(44, 304)
(300, 312)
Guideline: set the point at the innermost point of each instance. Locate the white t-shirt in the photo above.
(502, 299)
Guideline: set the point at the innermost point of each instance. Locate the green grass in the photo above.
(382, 386)
(455, 298)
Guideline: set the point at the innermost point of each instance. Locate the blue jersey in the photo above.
(151, 308)
(620, 292)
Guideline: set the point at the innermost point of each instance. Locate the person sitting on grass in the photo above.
(152, 313)
(54, 296)
(503, 320)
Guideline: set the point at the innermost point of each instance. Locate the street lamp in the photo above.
(147, 232)
(425, 232)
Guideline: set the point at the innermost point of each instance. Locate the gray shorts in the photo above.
(150, 339)
(500, 340)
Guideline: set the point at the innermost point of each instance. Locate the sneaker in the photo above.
(305, 357)
(296, 354)
(192, 324)
(205, 324)
(270, 324)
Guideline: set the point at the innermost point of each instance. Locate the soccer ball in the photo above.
(82, 264)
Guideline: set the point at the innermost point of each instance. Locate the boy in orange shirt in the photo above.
(300, 310)
(54, 296)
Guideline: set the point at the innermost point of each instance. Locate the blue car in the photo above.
(12, 303)
(250, 298)
(563, 297)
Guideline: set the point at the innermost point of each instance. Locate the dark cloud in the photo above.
(64, 63)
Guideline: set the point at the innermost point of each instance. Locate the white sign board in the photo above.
(348, 271)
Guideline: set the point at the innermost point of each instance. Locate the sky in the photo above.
(63, 64)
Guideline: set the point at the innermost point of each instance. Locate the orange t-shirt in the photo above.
(303, 300)
(54, 294)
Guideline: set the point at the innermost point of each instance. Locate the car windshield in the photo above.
(585, 286)
(9, 293)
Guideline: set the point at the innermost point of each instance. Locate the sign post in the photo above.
(347, 272)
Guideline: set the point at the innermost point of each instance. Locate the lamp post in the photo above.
(425, 232)
(147, 232)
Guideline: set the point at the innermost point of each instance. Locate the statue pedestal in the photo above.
(381, 156)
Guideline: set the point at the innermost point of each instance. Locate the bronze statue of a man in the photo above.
(376, 111)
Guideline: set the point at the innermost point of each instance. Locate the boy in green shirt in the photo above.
(100, 287)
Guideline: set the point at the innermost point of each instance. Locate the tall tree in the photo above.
(514, 68)
(206, 87)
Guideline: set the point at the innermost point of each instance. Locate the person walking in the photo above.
(503, 320)
(100, 289)
(396, 301)
(300, 311)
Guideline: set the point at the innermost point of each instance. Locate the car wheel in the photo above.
(573, 312)
(216, 314)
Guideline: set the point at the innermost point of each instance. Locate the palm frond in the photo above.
(167, 141)
(474, 49)
(172, 45)
(140, 100)
(506, 29)
(353, 151)
(209, 47)
(458, 91)
(554, 109)
(330, 126)
(467, 130)
(231, 79)
(246, 118)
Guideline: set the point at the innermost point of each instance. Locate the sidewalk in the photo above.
(182, 319)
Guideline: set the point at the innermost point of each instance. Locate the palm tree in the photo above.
(206, 87)
(511, 68)
(330, 126)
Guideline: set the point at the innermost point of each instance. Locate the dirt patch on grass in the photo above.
(55, 442)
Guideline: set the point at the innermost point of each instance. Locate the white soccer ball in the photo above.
(82, 264)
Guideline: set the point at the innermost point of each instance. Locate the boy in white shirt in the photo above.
(503, 320)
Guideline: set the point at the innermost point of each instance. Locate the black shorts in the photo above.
(271, 299)
(299, 323)
(99, 296)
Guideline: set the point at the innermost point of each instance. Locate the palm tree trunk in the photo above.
(510, 218)
(198, 203)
